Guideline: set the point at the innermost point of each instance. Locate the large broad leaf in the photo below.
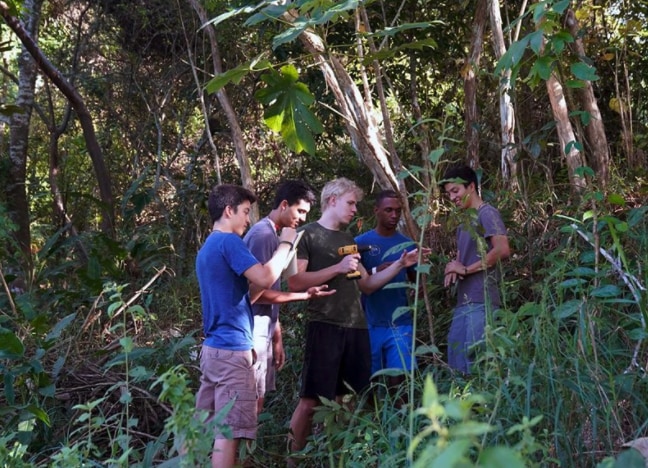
(512, 56)
(543, 67)
(287, 110)
(583, 71)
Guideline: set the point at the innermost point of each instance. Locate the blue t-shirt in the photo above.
(381, 304)
(224, 291)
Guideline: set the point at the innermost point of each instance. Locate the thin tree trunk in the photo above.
(17, 200)
(94, 150)
(366, 136)
(396, 162)
(471, 113)
(594, 130)
(564, 129)
(232, 118)
(565, 132)
(507, 113)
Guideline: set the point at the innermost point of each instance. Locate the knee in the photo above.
(306, 406)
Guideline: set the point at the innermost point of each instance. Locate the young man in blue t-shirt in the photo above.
(482, 243)
(390, 338)
(224, 266)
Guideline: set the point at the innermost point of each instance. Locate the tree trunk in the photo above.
(366, 136)
(507, 113)
(17, 200)
(471, 113)
(101, 173)
(566, 135)
(232, 118)
(594, 130)
(564, 129)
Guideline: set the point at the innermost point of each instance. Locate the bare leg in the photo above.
(224, 455)
(301, 423)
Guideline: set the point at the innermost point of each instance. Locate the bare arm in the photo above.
(500, 250)
(370, 283)
(265, 276)
(302, 280)
(270, 296)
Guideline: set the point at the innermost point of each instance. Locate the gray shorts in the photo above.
(229, 376)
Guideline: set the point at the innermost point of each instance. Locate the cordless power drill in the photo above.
(353, 249)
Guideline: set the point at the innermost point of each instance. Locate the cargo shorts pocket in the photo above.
(242, 416)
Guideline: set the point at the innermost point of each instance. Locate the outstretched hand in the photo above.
(320, 291)
(410, 258)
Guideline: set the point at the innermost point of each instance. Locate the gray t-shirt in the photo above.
(473, 241)
(262, 241)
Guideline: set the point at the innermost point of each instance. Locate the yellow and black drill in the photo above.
(353, 249)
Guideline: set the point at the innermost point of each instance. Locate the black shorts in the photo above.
(335, 359)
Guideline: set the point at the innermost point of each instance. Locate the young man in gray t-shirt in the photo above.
(481, 243)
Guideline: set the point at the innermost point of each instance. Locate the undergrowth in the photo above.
(102, 371)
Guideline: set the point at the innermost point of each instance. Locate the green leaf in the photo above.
(390, 32)
(543, 67)
(452, 454)
(567, 309)
(426, 349)
(232, 13)
(609, 290)
(11, 347)
(512, 56)
(575, 84)
(630, 458)
(616, 199)
(9, 392)
(403, 310)
(56, 331)
(561, 6)
(637, 334)
(39, 413)
(571, 283)
(500, 456)
(581, 171)
(287, 110)
(470, 429)
(575, 145)
(585, 117)
(435, 155)
(270, 13)
(637, 215)
(583, 271)
(535, 40)
(127, 344)
(235, 75)
(582, 71)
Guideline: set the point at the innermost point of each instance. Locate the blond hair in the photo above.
(337, 188)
